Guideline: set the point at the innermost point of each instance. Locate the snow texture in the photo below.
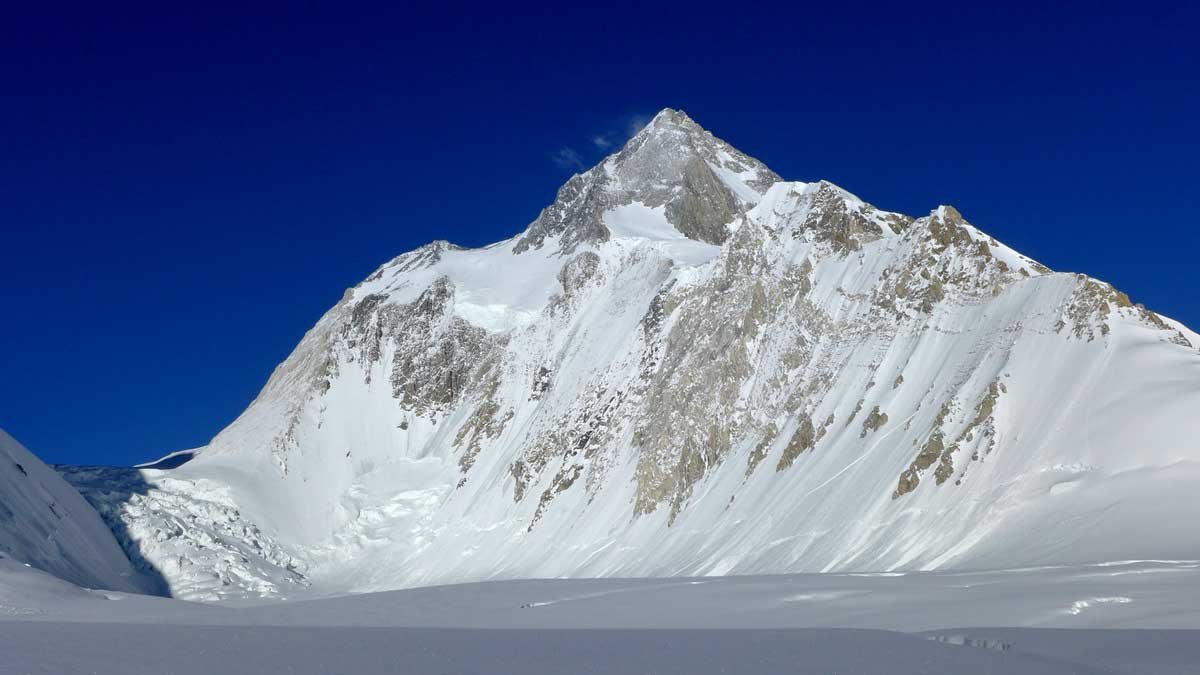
(821, 623)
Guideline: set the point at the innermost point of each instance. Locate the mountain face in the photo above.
(687, 365)
(44, 523)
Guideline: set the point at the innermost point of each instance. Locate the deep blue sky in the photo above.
(183, 194)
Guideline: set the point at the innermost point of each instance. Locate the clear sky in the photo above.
(184, 193)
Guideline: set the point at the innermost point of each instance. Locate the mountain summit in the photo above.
(687, 365)
(701, 183)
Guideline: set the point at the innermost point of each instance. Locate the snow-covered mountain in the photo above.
(687, 365)
(45, 524)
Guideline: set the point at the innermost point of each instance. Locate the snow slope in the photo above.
(45, 524)
(688, 366)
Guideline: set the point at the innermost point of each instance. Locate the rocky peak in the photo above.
(668, 134)
(702, 184)
(671, 120)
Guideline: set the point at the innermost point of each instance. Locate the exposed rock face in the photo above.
(600, 394)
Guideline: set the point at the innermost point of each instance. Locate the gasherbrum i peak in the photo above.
(687, 365)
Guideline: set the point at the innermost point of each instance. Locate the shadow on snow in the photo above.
(108, 489)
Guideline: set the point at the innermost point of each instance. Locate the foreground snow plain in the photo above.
(1130, 617)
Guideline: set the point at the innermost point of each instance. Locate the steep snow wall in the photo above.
(45, 523)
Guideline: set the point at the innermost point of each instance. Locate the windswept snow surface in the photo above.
(33, 649)
(821, 623)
